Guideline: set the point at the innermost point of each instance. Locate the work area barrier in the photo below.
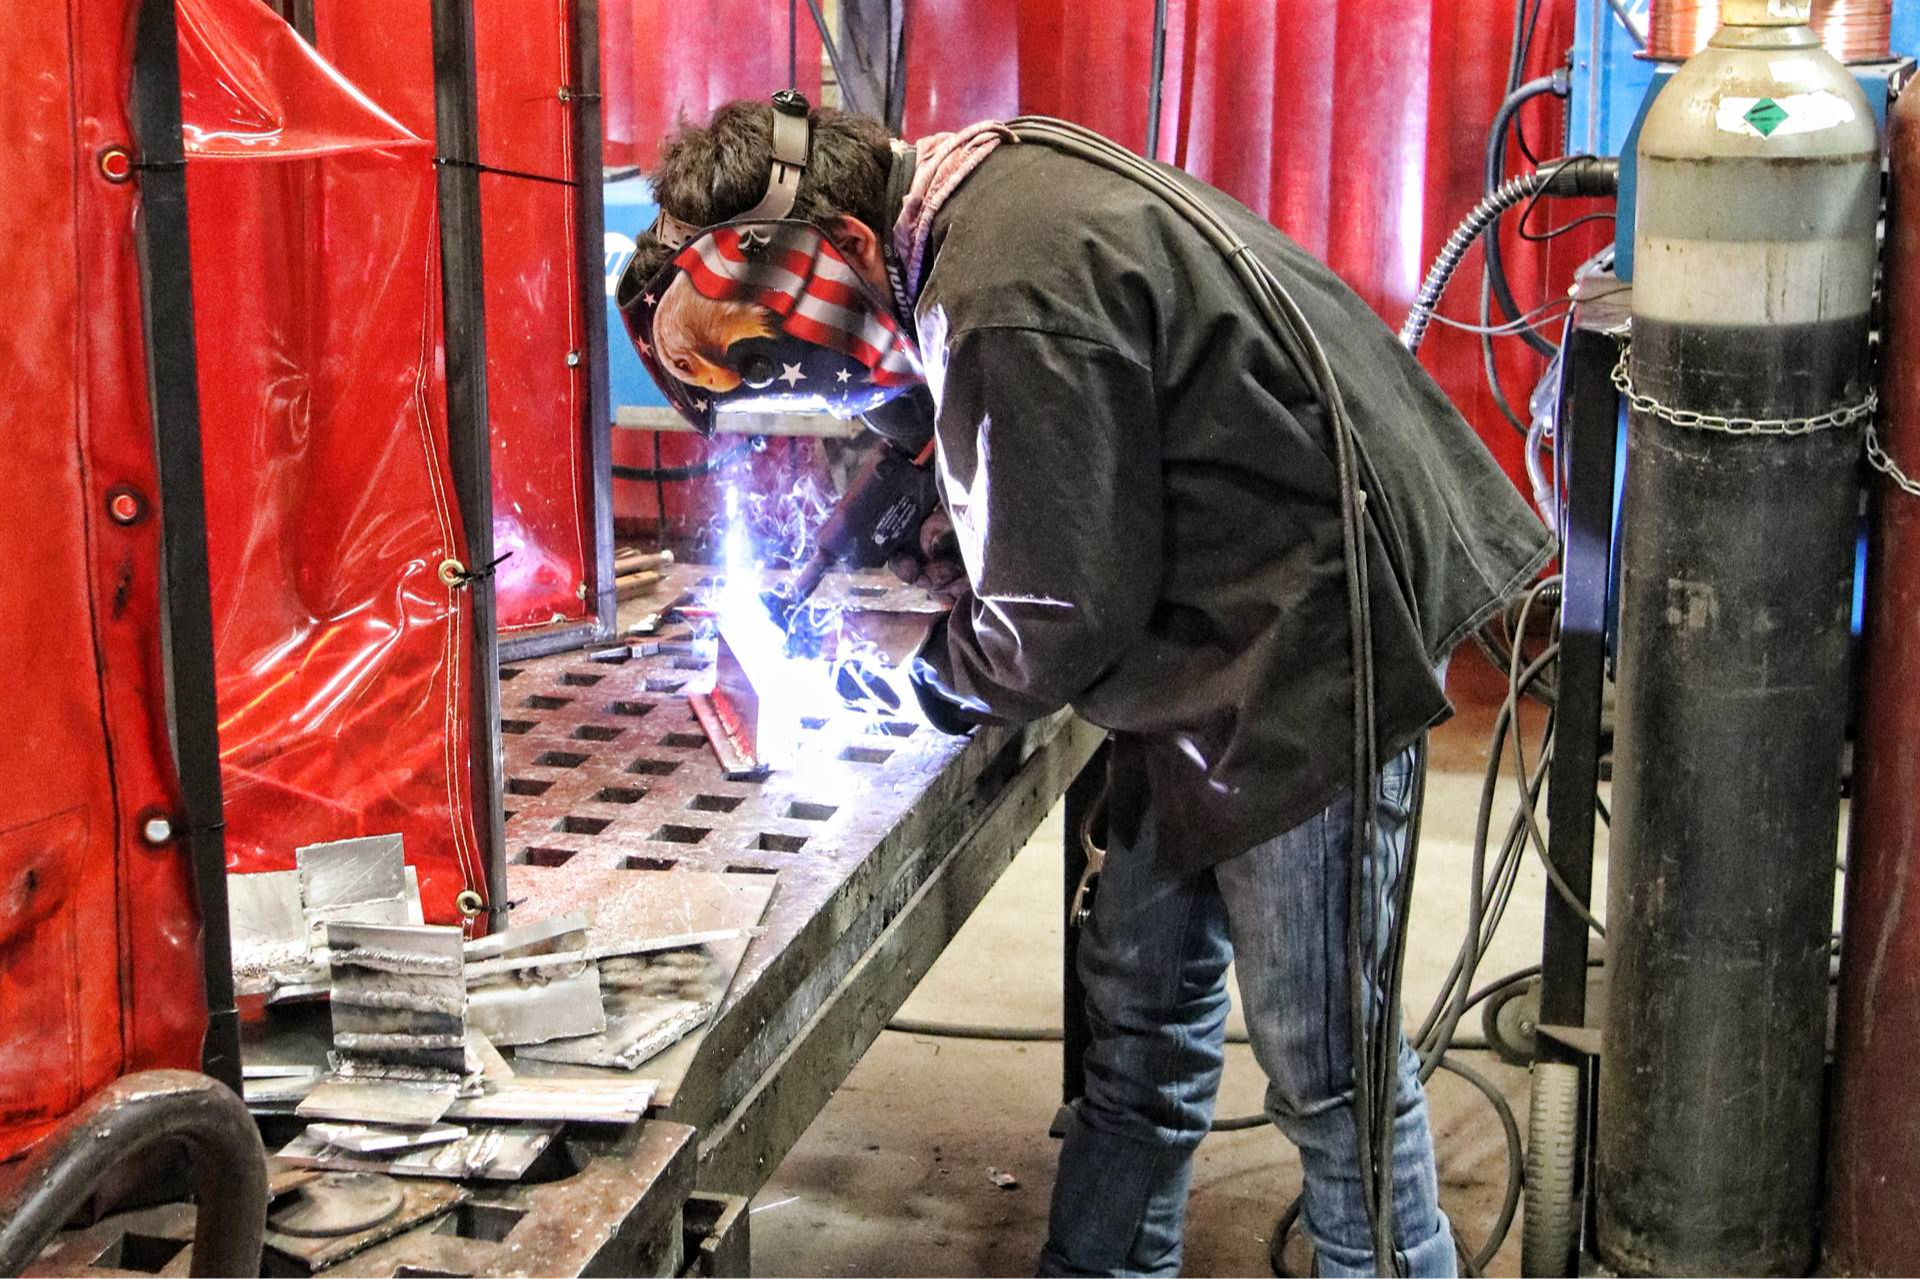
(341, 623)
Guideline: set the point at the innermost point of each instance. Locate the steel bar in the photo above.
(463, 304)
(588, 152)
(1589, 434)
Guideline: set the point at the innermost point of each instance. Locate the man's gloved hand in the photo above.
(874, 658)
(935, 567)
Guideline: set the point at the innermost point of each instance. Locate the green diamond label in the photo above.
(1765, 116)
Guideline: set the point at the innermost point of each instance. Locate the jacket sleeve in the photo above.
(1049, 463)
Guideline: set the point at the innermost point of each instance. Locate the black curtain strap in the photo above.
(451, 162)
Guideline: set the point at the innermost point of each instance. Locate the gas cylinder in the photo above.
(1873, 1163)
(1755, 238)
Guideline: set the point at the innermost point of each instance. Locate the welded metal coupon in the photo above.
(378, 1101)
(612, 1101)
(638, 1027)
(533, 1005)
(499, 1153)
(399, 997)
(534, 982)
(366, 1139)
(360, 879)
(271, 939)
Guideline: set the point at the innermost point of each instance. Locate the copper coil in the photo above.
(1855, 30)
(1852, 30)
(1678, 29)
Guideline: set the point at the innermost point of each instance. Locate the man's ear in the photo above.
(860, 245)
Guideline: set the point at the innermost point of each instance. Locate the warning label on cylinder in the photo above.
(1782, 117)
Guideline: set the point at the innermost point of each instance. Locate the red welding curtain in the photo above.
(1357, 126)
(343, 658)
(541, 499)
(99, 939)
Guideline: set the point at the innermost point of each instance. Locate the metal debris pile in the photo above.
(417, 1083)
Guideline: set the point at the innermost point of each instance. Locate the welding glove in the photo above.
(875, 658)
(935, 566)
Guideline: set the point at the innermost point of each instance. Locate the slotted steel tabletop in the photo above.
(607, 767)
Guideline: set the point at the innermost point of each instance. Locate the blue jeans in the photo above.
(1154, 960)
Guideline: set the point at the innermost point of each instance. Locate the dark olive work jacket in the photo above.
(1147, 507)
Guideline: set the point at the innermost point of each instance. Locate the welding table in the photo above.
(883, 836)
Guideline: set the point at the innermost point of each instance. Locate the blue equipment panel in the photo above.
(630, 211)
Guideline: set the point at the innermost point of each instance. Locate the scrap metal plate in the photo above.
(336, 1203)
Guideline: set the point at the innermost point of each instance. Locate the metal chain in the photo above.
(1781, 426)
(1882, 461)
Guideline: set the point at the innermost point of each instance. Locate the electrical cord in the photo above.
(1369, 1021)
(1569, 175)
(1558, 83)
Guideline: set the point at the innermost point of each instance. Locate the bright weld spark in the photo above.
(790, 689)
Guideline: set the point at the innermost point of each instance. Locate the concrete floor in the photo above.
(897, 1175)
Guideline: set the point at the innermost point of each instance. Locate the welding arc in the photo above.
(1373, 1006)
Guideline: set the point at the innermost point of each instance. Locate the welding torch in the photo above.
(890, 496)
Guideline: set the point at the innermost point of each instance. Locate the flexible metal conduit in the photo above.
(116, 1123)
(1578, 176)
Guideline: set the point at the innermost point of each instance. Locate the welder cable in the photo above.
(1291, 328)
(1437, 1029)
(1511, 193)
(1558, 84)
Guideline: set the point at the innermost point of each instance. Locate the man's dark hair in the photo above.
(712, 172)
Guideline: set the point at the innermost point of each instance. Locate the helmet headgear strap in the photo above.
(792, 135)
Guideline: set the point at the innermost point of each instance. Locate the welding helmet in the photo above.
(763, 312)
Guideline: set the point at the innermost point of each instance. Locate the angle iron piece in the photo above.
(361, 879)
(730, 735)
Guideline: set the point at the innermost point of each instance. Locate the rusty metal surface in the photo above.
(593, 1205)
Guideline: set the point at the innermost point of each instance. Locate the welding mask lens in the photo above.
(766, 316)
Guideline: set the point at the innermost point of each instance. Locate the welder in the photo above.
(1141, 518)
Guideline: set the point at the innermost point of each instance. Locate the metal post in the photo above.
(1589, 439)
(1156, 84)
(457, 137)
(173, 392)
(590, 231)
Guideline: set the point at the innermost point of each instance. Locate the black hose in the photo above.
(1571, 175)
(1558, 84)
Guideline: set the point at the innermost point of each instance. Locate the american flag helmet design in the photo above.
(766, 315)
